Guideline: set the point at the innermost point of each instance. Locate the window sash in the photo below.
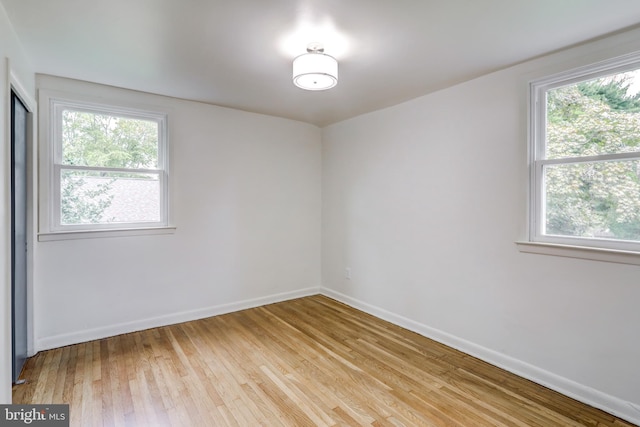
(59, 106)
(57, 200)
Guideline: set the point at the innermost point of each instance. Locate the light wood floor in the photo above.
(310, 361)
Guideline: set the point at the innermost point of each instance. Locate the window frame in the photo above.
(50, 226)
(537, 161)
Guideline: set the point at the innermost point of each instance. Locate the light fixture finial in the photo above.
(315, 47)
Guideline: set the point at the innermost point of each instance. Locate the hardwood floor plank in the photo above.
(306, 362)
(320, 367)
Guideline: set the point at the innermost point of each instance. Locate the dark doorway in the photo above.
(19, 135)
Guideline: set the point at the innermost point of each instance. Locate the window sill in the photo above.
(93, 234)
(581, 252)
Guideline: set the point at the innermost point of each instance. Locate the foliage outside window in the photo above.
(109, 168)
(586, 157)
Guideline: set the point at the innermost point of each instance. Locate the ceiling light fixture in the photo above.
(315, 70)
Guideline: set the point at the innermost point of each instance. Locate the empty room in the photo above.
(309, 213)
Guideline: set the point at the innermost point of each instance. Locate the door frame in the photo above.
(14, 85)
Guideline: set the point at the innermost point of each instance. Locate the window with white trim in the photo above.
(585, 157)
(107, 168)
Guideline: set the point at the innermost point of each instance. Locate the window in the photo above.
(585, 157)
(107, 168)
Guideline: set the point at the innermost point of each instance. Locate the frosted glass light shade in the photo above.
(315, 71)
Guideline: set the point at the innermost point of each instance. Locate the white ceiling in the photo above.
(238, 53)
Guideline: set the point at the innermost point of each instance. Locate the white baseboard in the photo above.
(61, 340)
(613, 405)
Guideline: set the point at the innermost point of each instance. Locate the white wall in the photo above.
(424, 201)
(246, 199)
(12, 62)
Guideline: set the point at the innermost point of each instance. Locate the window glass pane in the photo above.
(599, 116)
(90, 197)
(103, 140)
(596, 200)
